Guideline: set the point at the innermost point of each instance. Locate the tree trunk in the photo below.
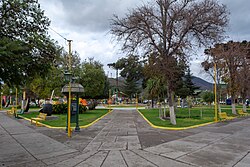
(233, 105)
(152, 102)
(219, 107)
(244, 108)
(171, 107)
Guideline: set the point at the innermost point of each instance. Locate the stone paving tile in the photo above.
(133, 146)
(60, 158)
(95, 160)
(11, 150)
(105, 139)
(114, 158)
(75, 160)
(133, 139)
(177, 147)
(244, 162)
(42, 146)
(133, 159)
(30, 164)
(167, 152)
(159, 160)
(210, 157)
(113, 146)
(205, 137)
(93, 146)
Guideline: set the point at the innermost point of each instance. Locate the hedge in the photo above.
(63, 108)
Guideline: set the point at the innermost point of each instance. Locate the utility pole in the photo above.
(69, 103)
(215, 95)
(114, 67)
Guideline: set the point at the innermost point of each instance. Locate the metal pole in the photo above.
(1, 100)
(215, 95)
(16, 100)
(109, 101)
(69, 102)
(136, 102)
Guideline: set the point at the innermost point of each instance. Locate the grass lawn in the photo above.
(182, 116)
(84, 119)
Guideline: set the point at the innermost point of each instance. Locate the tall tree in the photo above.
(93, 79)
(187, 87)
(230, 58)
(132, 70)
(24, 41)
(208, 66)
(169, 27)
(244, 77)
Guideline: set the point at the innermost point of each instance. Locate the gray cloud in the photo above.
(94, 15)
(239, 19)
(87, 22)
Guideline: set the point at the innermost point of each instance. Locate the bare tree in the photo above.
(208, 66)
(244, 77)
(170, 27)
(231, 59)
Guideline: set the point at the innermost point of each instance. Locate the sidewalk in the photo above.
(123, 138)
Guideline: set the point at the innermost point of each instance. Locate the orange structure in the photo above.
(84, 102)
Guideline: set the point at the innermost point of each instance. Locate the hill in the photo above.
(202, 84)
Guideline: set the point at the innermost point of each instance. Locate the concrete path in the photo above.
(123, 138)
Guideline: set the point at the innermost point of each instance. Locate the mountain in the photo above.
(202, 84)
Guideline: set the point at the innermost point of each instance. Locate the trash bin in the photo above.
(47, 108)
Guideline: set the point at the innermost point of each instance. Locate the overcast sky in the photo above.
(86, 22)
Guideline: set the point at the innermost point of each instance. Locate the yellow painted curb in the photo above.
(85, 126)
(52, 127)
(170, 128)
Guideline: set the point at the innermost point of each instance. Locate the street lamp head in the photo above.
(68, 76)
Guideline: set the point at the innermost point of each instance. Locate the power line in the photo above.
(58, 33)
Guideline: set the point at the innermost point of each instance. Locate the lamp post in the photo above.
(16, 100)
(1, 100)
(68, 77)
(10, 95)
(116, 90)
(136, 101)
(215, 95)
(109, 101)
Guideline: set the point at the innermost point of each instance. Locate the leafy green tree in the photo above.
(208, 97)
(132, 70)
(25, 47)
(131, 88)
(93, 78)
(187, 87)
(43, 87)
(155, 89)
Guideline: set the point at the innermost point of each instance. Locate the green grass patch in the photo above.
(84, 119)
(183, 118)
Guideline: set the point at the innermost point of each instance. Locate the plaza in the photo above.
(124, 138)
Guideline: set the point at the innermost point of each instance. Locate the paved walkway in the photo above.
(123, 138)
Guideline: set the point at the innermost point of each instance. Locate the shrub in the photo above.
(82, 109)
(63, 108)
(59, 109)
